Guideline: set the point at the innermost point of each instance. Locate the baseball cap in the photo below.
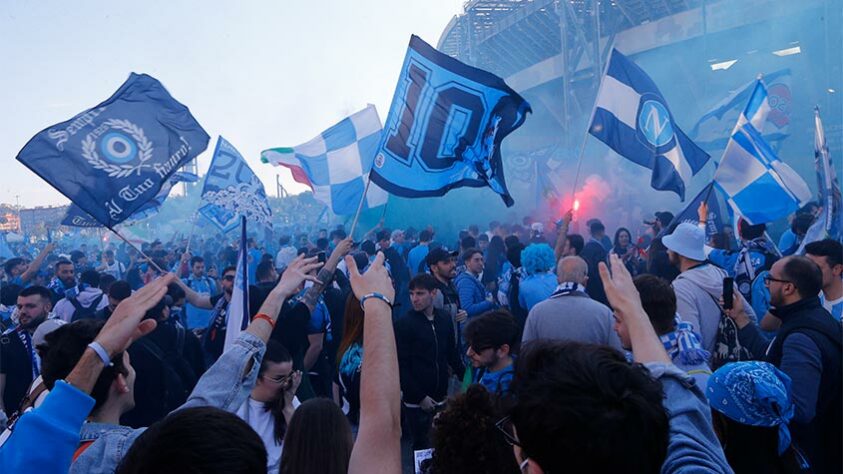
(439, 255)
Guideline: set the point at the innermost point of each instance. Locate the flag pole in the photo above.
(359, 207)
(590, 120)
(124, 239)
(190, 236)
(245, 262)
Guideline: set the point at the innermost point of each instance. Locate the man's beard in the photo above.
(34, 323)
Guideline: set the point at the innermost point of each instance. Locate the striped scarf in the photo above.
(684, 343)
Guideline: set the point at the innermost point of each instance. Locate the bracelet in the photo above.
(377, 296)
(97, 347)
(265, 318)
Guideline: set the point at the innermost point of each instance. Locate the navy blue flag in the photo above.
(632, 117)
(714, 220)
(113, 158)
(76, 217)
(445, 127)
(232, 190)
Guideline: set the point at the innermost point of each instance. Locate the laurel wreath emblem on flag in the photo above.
(144, 150)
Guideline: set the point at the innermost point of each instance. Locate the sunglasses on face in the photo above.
(228, 278)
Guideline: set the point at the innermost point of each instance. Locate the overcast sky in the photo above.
(261, 73)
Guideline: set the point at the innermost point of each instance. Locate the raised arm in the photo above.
(33, 267)
(58, 420)
(562, 235)
(378, 446)
(311, 296)
(692, 446)
(196, 299)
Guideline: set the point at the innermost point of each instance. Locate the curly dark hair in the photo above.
(465, 439)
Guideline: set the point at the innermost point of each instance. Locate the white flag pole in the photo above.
(588, 125)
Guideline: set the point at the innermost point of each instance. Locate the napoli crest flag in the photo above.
(632, 117)
(111, 159)
(445, 127)
(232, 190)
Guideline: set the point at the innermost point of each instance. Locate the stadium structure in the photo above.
(553, 52)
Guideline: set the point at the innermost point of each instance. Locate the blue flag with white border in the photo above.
(232, 190)
(632, 117)
(113, 158)
(445, 127)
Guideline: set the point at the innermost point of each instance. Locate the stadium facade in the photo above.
(698, 52)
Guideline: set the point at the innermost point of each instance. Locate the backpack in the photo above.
(81, 312)
(727, 347)
(178, 378)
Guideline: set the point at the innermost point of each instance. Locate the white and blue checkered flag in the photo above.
(631, 117)
(758, 185)
(336, 164)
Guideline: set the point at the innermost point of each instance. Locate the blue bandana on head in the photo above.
(754, 394)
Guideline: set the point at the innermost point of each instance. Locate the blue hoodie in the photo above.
(56, 423)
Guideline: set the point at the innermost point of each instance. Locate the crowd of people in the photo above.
(524, 348)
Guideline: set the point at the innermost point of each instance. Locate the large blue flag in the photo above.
(76, 217)
(232, 190)
(632, 117)
(113, 158)
(445, 127)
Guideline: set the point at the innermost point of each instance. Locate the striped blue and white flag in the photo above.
(336, 163)
(632, 117)
(713, 130)
(758, 185)
(238, 309)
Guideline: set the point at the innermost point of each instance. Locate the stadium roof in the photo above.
(509, 36)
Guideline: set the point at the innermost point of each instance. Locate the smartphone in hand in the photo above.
(728, 293)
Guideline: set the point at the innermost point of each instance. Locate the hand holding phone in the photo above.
(728, 293)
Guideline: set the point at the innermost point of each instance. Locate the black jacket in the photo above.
(822, 437)
(593, 253)
(425, 351)
(166, 373)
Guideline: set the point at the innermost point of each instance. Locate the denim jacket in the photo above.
(222, 386)
(693, 446)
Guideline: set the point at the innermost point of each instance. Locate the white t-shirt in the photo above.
(262, 421)
(116, 270)
(835, 307)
